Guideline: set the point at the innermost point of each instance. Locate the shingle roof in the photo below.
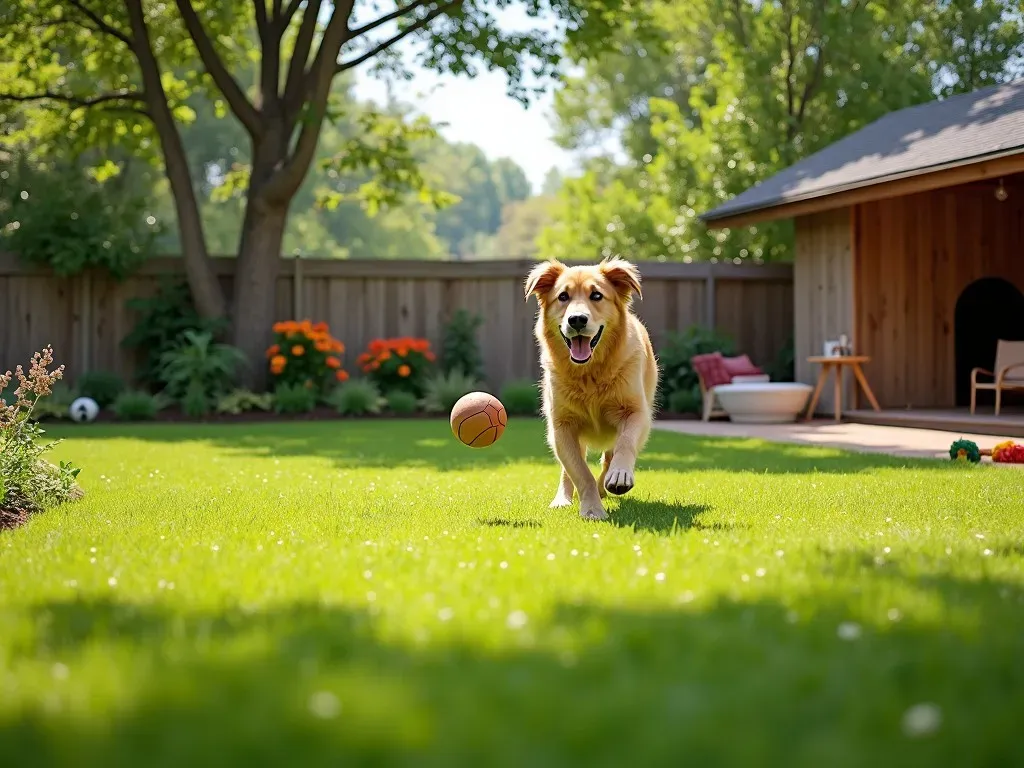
(967, 127)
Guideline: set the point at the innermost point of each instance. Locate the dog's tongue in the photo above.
(579, 348)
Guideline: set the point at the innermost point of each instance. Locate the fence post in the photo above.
(86, 325)
(710, 296)
(297, 286)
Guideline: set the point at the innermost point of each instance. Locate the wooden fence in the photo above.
(85, 318)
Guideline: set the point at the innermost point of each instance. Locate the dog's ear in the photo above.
(623, 275)
(542, 278)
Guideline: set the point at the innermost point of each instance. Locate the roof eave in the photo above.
(780, 208)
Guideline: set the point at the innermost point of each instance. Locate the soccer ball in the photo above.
(84, 409)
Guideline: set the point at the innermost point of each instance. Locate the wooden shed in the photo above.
(909, 240)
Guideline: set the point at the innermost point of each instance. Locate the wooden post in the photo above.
(710, 296)
(85, 340)
(297, 287)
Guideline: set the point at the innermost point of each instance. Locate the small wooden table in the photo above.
(835, 364)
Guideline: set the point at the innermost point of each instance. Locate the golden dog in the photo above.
(600, 375)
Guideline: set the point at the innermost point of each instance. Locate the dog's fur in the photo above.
(607, 401)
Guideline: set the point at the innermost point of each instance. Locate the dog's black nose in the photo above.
(578, 322)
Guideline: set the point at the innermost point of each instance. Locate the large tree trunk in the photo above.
(202, 280)
(256, 286)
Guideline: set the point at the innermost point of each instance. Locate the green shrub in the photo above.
(521, 398)
(162, 320)
(443, 390)
(784, 366)
(195, 403)
(356, 397)
(135, 405)
(29, 483)
(685, 401)
(674, 358)
(101, 386)
(199, 361)
(460, 350)
(402, 403)
(71, 222)
(57, 405)
(241, 400)
(294, 398)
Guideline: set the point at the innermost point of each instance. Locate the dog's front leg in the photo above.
(570, 455)
(633, 431)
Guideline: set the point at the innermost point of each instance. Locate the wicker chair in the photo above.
(1008, 375)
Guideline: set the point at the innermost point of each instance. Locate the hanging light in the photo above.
(1001, 193)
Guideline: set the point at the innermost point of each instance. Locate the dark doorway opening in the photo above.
(989, 309)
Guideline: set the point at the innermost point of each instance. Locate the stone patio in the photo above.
(897, 441)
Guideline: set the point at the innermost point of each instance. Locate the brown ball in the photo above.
(478, 419)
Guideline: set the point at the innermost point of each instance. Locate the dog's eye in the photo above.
(563, 296)
(596, 296)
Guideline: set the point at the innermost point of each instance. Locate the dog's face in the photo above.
(582, 304)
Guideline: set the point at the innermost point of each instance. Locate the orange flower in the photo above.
(305, 326)
(404, 371)
(385, 355)
(363, 358)
(333, 362)
(272, 351)
(321, 327)
(277, 364)
(298, 350)
(403, 351)
(337, 346)
(430, 356)
(323, 346)
(341, 375)
(374, 365)
(377, 346)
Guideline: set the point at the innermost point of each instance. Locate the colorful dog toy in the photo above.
(1007, 452)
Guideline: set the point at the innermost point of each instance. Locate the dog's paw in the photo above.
(619, 481)
(593, 511)
(560, 501)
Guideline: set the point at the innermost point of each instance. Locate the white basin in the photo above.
(775, 402)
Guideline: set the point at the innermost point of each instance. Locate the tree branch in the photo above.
(289, 11)
(396, 14)
(101, 24)
(313, 91)
(233, 94)
(270, 60)
(300, 54)
(812, 82)
(260, 7)
(415, 27)
(77, 101)
(741, 28)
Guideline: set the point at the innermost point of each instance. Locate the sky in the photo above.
(478, 110)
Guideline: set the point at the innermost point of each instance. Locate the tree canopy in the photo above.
(720, 94)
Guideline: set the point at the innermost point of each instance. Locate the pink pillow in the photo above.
(740, 366)
(711, 369)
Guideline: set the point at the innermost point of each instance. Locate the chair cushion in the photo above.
(1010, 353)
(741, 366)
(711, 368)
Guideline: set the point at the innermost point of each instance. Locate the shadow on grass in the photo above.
(429, 444)
(661, 517)
(727, 684)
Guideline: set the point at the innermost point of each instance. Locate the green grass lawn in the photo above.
(374, 593)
